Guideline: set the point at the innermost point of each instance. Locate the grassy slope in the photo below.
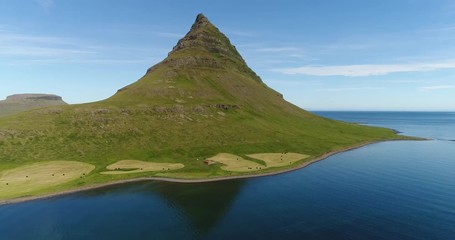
(174, 114)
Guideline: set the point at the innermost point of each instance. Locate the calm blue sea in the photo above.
(390, 190)
(434, 125)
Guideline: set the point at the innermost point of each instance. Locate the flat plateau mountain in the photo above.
(23, 102)
(200, 103)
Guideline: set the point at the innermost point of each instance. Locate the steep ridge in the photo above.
(201, 100)
(203, 66)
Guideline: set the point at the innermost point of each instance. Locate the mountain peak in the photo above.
(204, 53)
(201, 19)
(204, 36)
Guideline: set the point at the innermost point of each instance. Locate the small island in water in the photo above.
(199, 115)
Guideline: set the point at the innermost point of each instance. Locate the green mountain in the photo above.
(23, 102)
(201, 100)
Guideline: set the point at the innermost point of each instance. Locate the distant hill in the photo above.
(201, 100)
(23, 102)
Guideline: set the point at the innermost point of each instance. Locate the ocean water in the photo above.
(434, 125)
(389, 190)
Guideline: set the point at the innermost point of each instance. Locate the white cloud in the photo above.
(29, 49)
(348, 89)
(23, 46)
(168, 34)
(299, 56)
(279, 49)
(347, 46)
(438, 29)
(402, 81)
(10, 37)
(98, 61)
(436, 87)
(241, 33)
(45, 4)
(368, 69)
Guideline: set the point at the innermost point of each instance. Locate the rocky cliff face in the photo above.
(205, 35)
(23, 102)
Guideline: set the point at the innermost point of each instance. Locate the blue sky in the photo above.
(321, 54)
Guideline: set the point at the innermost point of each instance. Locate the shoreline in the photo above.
(182, 180)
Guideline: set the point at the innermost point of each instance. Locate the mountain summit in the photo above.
(203, 65)
(201, 100)
(204, 36)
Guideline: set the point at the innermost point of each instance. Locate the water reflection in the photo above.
(199, 206)
(204, 205)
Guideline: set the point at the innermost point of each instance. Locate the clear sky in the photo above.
(321, 54)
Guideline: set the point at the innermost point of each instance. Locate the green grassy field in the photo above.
(279, 159)
(135, 166)
(200, 101)
(41, 176)
(234, 163)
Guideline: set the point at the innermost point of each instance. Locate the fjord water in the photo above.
(434, 125)
(388, 190)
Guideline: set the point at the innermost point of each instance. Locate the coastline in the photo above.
(182, 180)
